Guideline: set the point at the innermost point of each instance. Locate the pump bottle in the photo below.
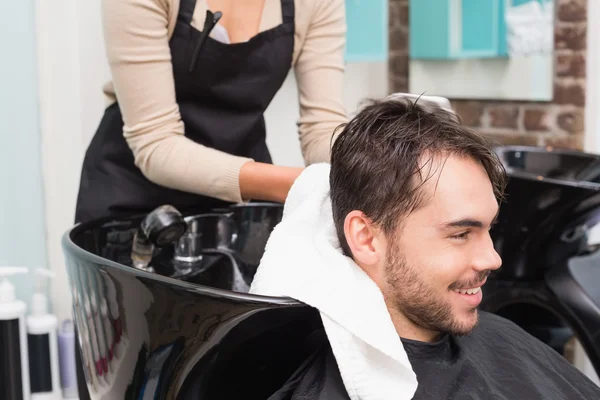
(42, 327)
(14, 359)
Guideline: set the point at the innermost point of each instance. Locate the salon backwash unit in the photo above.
(180, 326)
(549, 282)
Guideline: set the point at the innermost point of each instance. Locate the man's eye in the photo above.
(462, 235)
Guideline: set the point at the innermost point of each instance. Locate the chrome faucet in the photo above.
(161, 227)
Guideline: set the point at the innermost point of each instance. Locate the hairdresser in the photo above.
(191, 80)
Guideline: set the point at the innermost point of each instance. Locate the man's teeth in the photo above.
(468, 291)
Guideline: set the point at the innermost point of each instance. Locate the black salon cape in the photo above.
(497, 361)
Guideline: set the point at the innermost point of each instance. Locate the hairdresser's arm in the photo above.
(319, 73)
(267, 182)
(137, 46)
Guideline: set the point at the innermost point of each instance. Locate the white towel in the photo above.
(303, 260)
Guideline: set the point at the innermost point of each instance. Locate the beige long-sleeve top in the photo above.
(137, 33)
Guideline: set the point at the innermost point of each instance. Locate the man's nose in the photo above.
(487, 258)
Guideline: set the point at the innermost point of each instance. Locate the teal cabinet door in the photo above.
(456, 29)
(479, 28)
(429, 29)
(367, 30)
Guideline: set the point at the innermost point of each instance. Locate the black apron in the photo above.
(222, 91)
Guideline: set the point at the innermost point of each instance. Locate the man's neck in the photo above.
(407, 329)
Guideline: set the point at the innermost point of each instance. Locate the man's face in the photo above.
(437, 261)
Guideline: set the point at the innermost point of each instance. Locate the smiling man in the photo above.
(432, 264)
(414, 194)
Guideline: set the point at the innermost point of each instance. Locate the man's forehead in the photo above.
(457, 186)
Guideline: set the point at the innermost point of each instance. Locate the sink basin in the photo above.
(552, 199)
(561, 165)
(177, 333)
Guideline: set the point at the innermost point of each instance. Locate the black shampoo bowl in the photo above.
(552, 199)
(550, 272)
(146, 334)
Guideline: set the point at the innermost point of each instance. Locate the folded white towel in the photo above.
(303, 260)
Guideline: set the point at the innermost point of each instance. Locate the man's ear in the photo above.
(366, 242)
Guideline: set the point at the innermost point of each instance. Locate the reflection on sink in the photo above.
(217, 269)
(220, 269)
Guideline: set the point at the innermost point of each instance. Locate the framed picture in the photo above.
(482, 49)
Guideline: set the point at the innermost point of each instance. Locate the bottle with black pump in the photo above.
(42, 341)
(14, 355)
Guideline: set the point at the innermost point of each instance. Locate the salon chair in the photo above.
(549, 282)
(182, 324)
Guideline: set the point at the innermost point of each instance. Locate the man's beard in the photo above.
(419, 301)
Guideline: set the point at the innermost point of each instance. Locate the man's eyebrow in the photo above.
(462, 223)
(466, 223)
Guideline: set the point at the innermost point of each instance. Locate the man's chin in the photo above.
(464, 323)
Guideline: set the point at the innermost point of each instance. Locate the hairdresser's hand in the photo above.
(260, 181)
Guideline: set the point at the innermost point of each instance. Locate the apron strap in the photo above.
(186, 10)
(288, 13)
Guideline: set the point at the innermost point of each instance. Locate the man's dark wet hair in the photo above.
(384, 154)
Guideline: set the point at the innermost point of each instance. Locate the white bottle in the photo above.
(42, 328)
(14, 362)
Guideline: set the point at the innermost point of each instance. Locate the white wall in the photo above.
(592, 96)
(61, 105)
(22, 233)
(362, 80)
